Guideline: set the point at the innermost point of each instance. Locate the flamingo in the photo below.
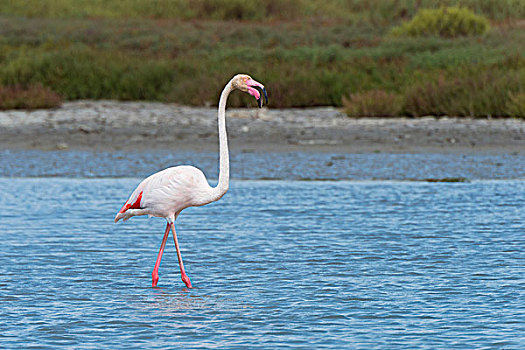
(166, 193)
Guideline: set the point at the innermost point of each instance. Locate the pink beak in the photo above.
(255, 93)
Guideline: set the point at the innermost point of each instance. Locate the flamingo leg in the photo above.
(155, 273)
(183, 275)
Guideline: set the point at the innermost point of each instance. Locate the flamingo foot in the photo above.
(186, 280)
(154, 279)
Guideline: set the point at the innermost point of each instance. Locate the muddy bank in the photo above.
(111, 125)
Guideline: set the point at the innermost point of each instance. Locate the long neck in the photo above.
(224, 158)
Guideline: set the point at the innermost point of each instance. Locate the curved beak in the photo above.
(252, 84)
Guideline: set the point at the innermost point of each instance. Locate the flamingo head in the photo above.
(247, 84)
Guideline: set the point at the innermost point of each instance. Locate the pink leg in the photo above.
(183, 275)
(155, 274)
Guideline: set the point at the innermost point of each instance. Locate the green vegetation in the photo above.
(352, 11)
(448, 22)
(159, 9)
(308, 52)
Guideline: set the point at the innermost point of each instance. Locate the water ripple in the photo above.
(275, 264)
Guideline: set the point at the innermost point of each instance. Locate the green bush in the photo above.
(80, 73)
(494, 9)
(31, 97)
(374, 103)
(448, 22)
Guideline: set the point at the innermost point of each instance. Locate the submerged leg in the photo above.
(155, 274)
(183, 275)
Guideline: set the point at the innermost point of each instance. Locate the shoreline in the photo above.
(143, 126)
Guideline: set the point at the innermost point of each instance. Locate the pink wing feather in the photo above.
(168, 192)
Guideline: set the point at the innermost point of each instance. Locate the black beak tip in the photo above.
(259, 102)
(265, 95)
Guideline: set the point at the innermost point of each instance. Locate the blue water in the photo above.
(275, 264)
(258, 165)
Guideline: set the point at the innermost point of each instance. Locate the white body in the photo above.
(167, 192)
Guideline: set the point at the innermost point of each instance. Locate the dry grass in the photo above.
(31, 97)
(374, 103)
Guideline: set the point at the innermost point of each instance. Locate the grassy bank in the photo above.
(309, 54)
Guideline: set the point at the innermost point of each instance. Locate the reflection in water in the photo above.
(168, 303)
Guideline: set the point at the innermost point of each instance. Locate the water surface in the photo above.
(268, 165)
(275, 264)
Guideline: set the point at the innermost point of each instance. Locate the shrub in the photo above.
(516, 106)
(31, 97)
(448, 22)
(494, 9)
(79, 73)
(374, 103)
(472, 94)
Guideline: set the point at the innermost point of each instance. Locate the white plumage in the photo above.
(167, 192)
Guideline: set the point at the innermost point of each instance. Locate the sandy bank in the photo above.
(111, 125)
